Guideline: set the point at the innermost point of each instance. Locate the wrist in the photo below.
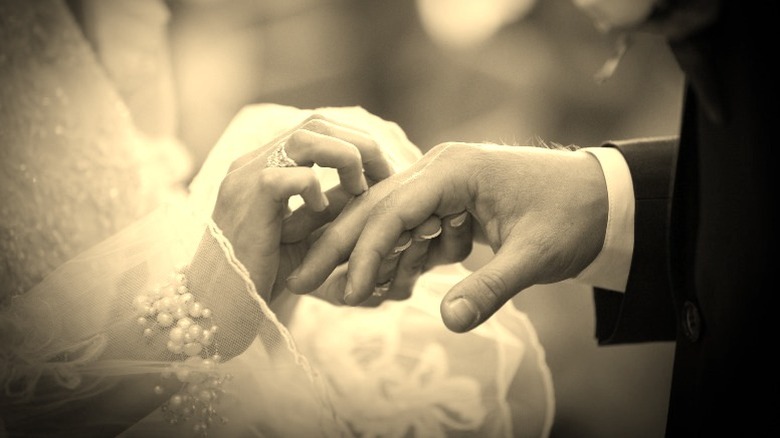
(596, 205)
(609, 270)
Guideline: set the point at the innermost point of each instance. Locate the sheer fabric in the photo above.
(163, 316)
(395, 370)
(377, 372)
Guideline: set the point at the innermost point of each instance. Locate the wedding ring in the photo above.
(279, 158)
(382, 289)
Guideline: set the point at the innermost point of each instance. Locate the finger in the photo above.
(255, 199)
(283, 183)
(260, 151)
(408, 270)
(332, 290)
(375, 300)
(324, 255)
(335, 245)
(304, 220)
(377, 219)
(401, 210)
(307, 148)
(429, 229)
(374, 161)
(477, 297)
(386, 270)
(455, 242)
(411, 261)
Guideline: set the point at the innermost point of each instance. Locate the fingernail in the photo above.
(459, 219)
(292, 278)
(429, 236)
(464, 312)
(348, 294)
(402, 248)
(363, 183)
(325, 202)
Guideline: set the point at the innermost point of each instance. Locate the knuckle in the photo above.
(300, 137)
(236, 164)
(229, 187)
(314, 117)
(494, 284)
(384, 206)
(309, 177)
(373, 148)
(448, 148)
(352, 156)
(318, 125)
(268, 177)
(439, 148)
(340, 252)
(372, 154)
(386, 211)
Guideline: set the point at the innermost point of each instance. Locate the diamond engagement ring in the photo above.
(279, 158)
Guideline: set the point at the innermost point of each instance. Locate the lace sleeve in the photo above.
(158, 331)
(154, 316)
(150, 315)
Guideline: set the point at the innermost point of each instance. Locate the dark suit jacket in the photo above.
(700, 270)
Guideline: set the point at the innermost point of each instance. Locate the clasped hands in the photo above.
(542, 211)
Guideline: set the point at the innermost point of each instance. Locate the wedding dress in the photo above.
(122, 299)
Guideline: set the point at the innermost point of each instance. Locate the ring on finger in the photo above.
(279, 158)
(382, 288)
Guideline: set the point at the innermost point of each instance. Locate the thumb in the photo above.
(477, 297)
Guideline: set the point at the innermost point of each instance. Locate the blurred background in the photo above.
(504, 71)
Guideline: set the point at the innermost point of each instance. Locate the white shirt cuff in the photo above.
(609, 270)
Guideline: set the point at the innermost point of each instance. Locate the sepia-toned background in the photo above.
(443, 80)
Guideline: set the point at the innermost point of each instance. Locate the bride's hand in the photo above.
(253, 197)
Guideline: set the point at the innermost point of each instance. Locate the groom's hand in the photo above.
(435, 242)
(543, 212)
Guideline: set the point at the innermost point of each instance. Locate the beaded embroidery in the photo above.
(172, 309)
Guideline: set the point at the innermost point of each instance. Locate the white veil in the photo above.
(338, 371)
(159, 326)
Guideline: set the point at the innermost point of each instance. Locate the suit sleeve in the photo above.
(645, 312)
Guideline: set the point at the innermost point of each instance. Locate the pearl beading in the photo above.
(171, 308)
